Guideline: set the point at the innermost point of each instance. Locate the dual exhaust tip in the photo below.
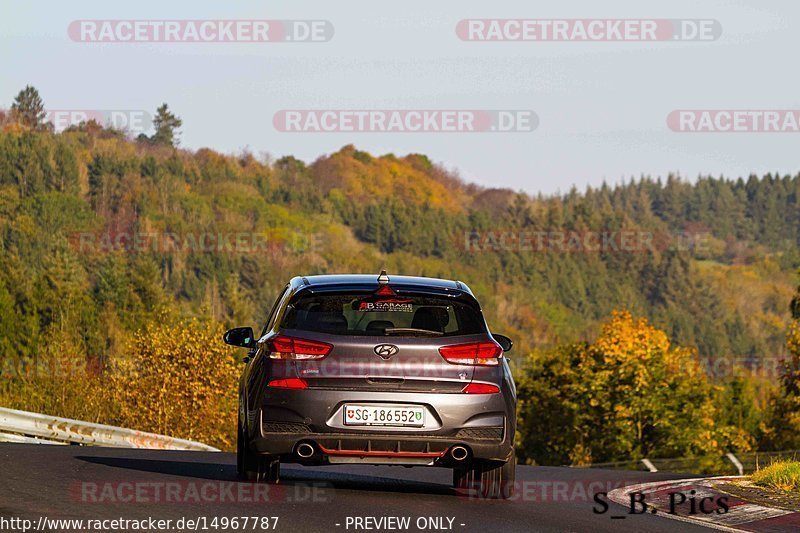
(305, 450)
(459, 453)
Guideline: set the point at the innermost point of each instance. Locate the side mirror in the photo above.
(505, 343)
(242, 337)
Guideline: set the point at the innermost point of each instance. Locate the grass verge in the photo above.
(782, 475)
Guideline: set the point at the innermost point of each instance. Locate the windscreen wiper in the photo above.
(412, 331)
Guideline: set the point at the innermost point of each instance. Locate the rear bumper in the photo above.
(482, 423)
(395, 449)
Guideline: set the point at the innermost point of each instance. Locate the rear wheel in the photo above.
(487, 480)
(255, 467)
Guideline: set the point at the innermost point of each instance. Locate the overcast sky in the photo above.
(602, 106)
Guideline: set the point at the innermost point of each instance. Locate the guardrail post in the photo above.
(736, 463)
(650, 466)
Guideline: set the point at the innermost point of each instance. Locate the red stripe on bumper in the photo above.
(362, 453)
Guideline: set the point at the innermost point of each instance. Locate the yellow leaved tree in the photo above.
(782, 432)
(177, 379)
(628, 395)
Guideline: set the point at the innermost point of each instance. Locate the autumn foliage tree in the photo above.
(178, 379)
(783, 430)
(628, 395)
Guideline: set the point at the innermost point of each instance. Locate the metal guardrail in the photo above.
(11, 437)
(728, 464)
(54, 429)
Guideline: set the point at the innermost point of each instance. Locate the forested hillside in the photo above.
(101, 234)
(717, 274)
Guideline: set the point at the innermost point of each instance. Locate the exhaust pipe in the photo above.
(459, 453)
(305, 450)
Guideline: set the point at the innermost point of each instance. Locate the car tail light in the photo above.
(481, 388)
(290, 383)
(283, 347)
(473, 353)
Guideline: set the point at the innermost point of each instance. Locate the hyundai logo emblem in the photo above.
(385, 351)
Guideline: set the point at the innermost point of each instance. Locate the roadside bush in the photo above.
(174, 378)
(177, 379)
(59, 382)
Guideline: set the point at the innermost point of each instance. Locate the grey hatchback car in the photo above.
(377, 370)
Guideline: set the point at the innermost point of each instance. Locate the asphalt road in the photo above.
(72, 482)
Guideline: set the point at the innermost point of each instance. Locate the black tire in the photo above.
(255, 467)
(493, 481)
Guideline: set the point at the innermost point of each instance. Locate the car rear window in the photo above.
(389, 315)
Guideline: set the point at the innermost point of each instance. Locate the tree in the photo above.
(783, 431)
(160, 381)
(628, 395)
(165, 125)
(28, 108)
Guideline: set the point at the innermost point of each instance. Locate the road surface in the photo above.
(42, 482)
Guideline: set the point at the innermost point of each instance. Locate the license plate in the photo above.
(378, 415)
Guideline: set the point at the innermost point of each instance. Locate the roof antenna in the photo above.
(383, 278)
